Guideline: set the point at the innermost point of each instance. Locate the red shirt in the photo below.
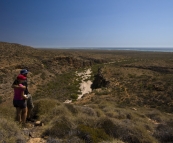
(18, 93)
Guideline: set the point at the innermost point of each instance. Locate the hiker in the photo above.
(19, 100)
(30, 104)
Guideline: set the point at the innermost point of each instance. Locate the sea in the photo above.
(138, 49)
(146, 49)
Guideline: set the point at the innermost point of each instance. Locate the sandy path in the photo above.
(85, 86)
(36, 140)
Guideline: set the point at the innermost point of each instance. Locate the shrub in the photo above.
(10, 132)
(1, 99)
(74, 96)
(1, 79)
(43, 107)
(73, 139)
(8, 112)
(57, 111)
(102, 91)
(43, 76)
(154, 115)
(90, 134)
(62, 87)
(60, 127)
(99, 113)
(131, 75)
(71, 108)
(88, 110)
(164, 133)
(126, 131)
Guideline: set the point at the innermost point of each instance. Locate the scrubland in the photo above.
(131, 99)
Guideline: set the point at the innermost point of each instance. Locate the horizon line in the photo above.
(98, 47)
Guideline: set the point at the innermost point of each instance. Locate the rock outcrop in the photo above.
(99, 80)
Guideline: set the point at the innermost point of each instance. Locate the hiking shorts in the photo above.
(30, 104)
(20, 103)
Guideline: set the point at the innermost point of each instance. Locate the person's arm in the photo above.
(23, 96)
(16, 85)
(22, 93)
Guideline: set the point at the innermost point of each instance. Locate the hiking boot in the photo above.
(30, 120)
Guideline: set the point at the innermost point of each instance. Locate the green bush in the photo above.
(126, 131)
(102, 91)
(43, 107)
(60, 127)
(62, 87)
(90, 134)
(71, 108)
(74, 96)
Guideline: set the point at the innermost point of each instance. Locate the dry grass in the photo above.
(8, 112)
(104, 122)
(136, 107)
(10, 132)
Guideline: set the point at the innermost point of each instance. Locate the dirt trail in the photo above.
(36, 140)
(85, 85)
(34, 132)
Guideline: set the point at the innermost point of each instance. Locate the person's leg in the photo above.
(23, 108)
(16, 105)
(18, 114)
(24, 114)
(29, 113)
(30, 106)
(16, 119)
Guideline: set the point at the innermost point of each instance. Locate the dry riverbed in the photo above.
(85, 85)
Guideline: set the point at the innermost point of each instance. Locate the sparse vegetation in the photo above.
(64, 86)
(10, 132)
(135, 104)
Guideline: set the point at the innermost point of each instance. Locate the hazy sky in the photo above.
(87, 23)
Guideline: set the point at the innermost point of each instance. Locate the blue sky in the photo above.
(87, 23)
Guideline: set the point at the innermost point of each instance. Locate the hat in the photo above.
(21, 77)
(23, 71)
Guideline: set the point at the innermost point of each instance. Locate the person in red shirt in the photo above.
(19, 100)
(30, 104)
